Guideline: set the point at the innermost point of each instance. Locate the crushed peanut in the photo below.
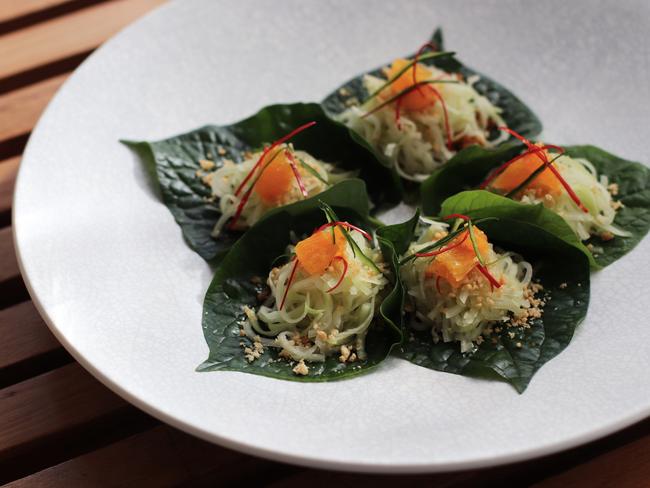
(345, 354)
(253, 353)
(206, 164)
(207, 179)
(301, 368)
(535, 309)
(616, 204)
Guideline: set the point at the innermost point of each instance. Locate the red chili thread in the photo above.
(289, 281)
(493, 282)
(345, 270)
(438, 284)
(240, 208)
(294, 168)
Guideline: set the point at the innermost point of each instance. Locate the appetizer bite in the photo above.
(315, 301)
(218, 181)
(276, 176)
(322, 301)
(420, 116)
(461, 288)
(419, 112)
(602, 199)
(489, 297)
(570, 187)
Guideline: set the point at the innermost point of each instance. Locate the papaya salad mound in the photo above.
(490, 297)
(419, 113)
(218, 181)
(308, 296)
(603, 199)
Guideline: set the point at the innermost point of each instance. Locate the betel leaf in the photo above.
(562, 269)
(175, 162)
(633, 180)
(400, 235)
(465, 171)
(515, 113)
(478, 204)
(234, 285)
(394, 240)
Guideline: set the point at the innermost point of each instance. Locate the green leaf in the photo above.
(468, 169)
(400, 235)
(175, 162)
(231, 289)
(479, 204)
(465, 171)
(394, 240)
(562, 269)
(515, 113)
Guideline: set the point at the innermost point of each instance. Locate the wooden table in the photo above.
(61, 427)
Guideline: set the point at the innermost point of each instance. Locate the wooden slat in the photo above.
(625, 467)
(24, 335)
(49, 405)
(20, 109)
(8, 171)
(52, 40)
(145, 460)
(159, 457)
(8, 263)
(12, 9)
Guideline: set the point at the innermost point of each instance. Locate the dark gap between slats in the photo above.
(13, 147)
(55, 449)
(45, 14)
(42, 72)
(5, 218)
(34, 366)
(248, 472)
(13, 291)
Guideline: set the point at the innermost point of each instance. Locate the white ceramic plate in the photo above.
(109, 271)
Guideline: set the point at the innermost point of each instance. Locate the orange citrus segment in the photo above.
(456, 263)
(515, 174)
(276, 179)
(316, 253)
(414, 100)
